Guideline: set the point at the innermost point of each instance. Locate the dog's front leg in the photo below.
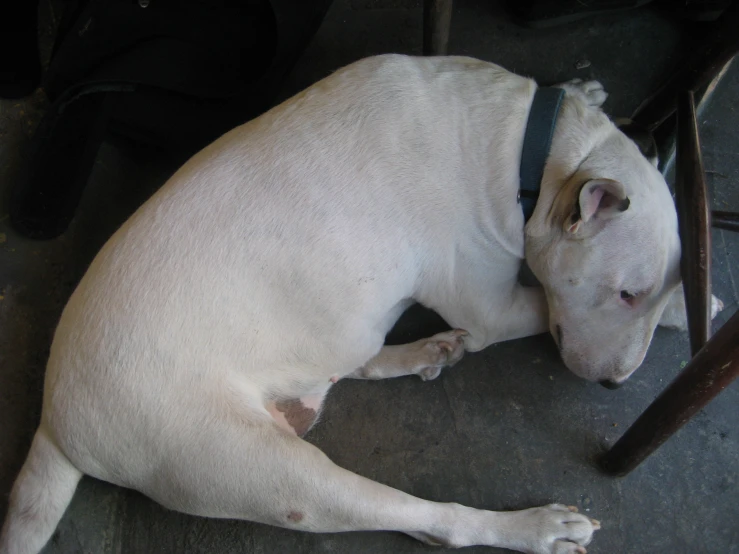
(521, 312)
(675, 317)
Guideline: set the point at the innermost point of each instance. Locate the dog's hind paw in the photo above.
(555, 529)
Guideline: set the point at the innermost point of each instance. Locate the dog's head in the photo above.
(607, 251)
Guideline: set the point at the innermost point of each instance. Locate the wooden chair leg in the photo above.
(437, 18)
(691, 198)
(697, 72)
(665, 135)
(707, 374)
(725, 220)
(715, 362)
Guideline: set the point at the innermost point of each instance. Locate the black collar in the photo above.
(536, 144)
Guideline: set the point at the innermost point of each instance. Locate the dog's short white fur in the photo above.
(205, 334)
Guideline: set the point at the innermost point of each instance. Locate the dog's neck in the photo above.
(537, 144)
(580, 129)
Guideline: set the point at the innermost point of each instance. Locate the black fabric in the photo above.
(176, 75)
(208, 48)
(536, 144)
(549, 13)
(20, 69)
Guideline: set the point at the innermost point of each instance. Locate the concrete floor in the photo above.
(507, 428)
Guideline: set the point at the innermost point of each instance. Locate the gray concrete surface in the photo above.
(507, 428)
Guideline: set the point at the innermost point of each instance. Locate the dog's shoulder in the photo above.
(457, 75)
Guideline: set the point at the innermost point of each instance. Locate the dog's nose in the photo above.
(610, 384)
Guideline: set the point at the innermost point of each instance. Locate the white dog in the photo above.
(201, 342)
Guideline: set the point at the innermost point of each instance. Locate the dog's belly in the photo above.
(296, 415)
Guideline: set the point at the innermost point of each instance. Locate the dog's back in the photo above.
(260, 269)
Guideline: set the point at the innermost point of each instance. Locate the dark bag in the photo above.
(174, 74)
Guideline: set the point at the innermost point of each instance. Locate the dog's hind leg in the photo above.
(251, 469)
(425, 358)
(41, 493)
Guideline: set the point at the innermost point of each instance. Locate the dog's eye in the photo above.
(628, 297)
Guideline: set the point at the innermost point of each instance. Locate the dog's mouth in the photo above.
(558, 336)
(586, 373)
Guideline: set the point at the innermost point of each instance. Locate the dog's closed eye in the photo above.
(629, 298)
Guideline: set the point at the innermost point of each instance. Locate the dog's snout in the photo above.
(612, 385)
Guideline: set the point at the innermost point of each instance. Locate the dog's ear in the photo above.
(642, 137)
(599, 200)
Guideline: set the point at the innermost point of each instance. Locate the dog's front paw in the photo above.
(592, 92)
(675, 315)
(716, 306)
(555, 529)
(440, 351)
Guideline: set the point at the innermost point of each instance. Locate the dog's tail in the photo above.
(40, 495)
